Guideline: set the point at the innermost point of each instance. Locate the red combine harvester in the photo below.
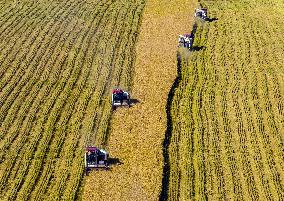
(96, 158)
(120, 98)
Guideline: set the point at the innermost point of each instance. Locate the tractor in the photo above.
(96, 158)
(185, 40)
(201, 13)
(120, 98)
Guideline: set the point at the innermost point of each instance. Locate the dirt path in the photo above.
(137, 133)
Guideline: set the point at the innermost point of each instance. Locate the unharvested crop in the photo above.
(227, 111)
(58, 63)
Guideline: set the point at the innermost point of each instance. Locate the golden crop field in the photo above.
(136, 134)
(227, 112)
(214, 132)
(59, 61)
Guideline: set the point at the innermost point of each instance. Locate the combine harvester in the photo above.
(96, 158)
(186, 41)
(120, 98)
(201, 13)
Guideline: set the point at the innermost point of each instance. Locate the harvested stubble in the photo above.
(136, 135)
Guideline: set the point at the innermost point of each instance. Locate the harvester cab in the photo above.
(96, 158)
(185, 40)
(120, 98)
(201, 13)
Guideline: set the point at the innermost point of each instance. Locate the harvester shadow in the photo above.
(114, 161)
(197, 48)
(134, 101)
(211, 19)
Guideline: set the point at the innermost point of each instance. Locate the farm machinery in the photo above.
(201, 13)
(185, 40)
(120, 98)
(96, 158)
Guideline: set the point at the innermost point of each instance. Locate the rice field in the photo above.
(136, 134)
(227, 112)
(59, 61)
(221, 123)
